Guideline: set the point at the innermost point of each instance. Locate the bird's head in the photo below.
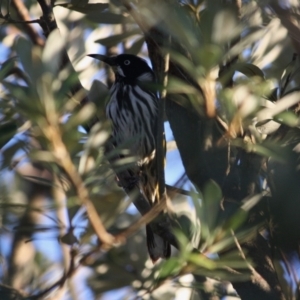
(129, 66)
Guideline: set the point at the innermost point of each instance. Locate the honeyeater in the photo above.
(133, 110)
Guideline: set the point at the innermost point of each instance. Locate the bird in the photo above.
(133, 111)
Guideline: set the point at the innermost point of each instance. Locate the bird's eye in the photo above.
(127, 62)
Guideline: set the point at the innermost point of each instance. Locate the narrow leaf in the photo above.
(52, 55)
(287, 118)
(106, 18)
(136, 46)
(117, 38)
(249, 70)
(7, 131)
(24, 51)
(91, 7)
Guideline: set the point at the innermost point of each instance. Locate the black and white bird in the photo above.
(133, 110)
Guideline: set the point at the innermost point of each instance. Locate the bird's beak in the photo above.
(111, 61)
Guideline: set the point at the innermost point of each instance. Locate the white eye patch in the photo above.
(120, 71)
(127, 62)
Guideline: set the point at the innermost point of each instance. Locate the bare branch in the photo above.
(160, 139)
(25, 19)
(256, 277)
(48, 22)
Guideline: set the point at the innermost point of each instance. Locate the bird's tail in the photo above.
(157, 247)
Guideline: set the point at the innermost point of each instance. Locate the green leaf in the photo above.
(94, 12)
(89, 8)
(63, 89)
(24, 50)
(136, 46)
(250, 202)
(209, 56)
(52, 56)
(17, 91)
(272, 150)
(27, 99)
(224, 243)
(98, 93)
(201, 261)
(267, 148)
(236, 263)
(184, 243)
(249, 70)
(30, 57)
(183, 61)
(169, 268)
(9, 152)
(281, 105)
(6, 67)
(225, 27)
(186, 225)
(212, 192)
(42, 156)
(179, 86)
(212, 196)
(117, 38)
(85, 114)
(98, 135)
(288, 118)
(106, 18)
(236, 220)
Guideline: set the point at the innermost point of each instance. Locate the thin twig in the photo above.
(25, 19)
(256, 277)
(59, 197)
(160, 139)
(48, 22)
(145, 219)
(177, 190)
(53, 134)
(12, 21)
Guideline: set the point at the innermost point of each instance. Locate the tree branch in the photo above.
(24, 16)
(48, 22)
(53, 134)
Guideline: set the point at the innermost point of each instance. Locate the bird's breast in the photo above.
(133, 112)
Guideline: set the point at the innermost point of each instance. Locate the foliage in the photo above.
(232, 104)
